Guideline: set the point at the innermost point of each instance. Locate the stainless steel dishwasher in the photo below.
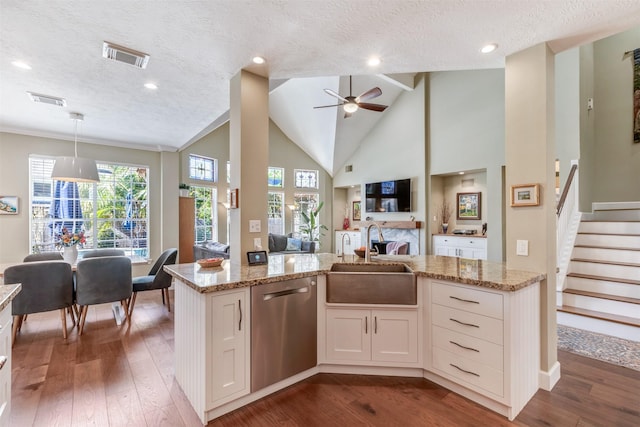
(283, 330)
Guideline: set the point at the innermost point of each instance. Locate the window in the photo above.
(228, 175)
(303, 203)
(275, 212)
(305, 178)
(202, 168)
(113, 213)
(276, 177)
(206, 214)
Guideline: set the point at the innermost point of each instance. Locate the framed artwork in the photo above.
(8, 205)
(468, 206)
(525, 195)
(234, 202)
(356, 211)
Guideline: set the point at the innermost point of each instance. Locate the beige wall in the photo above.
(14, 180)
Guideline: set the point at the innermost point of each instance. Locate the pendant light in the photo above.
(75, 169)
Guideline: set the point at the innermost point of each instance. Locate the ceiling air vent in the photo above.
(348, 168)
(46, 99)
(124, 54)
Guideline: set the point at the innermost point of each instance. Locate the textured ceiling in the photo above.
(197, 46)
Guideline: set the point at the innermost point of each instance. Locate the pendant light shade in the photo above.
(75, 169)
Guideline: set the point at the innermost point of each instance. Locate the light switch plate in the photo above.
(257, 244)
(254, 226)
(522, 247)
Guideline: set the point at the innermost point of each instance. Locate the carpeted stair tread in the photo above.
(624, 320)
(600, 261)
(602, 296)
(604, 278)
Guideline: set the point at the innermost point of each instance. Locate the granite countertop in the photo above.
(232, 275)
(8, 293)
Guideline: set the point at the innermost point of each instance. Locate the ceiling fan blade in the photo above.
(335, 94)
(327, 106)
(372, 107)
(370, 94)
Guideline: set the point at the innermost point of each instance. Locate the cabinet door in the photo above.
(228, 355)
(348, 334)
(5, 370)
(395, 336)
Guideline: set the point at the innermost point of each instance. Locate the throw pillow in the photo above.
(293, 244)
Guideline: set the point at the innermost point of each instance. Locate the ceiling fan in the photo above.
(351, 103)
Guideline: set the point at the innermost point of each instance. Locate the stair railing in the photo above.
(568, 221)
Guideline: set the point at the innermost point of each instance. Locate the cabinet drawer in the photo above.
(468, 371)
(475, 325)
(472, 300)
(475, 349)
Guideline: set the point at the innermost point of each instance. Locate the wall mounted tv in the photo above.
(388, 196)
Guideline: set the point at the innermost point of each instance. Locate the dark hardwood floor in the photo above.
(117, 376)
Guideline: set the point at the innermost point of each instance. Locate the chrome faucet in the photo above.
(348, 238)
(367, 249)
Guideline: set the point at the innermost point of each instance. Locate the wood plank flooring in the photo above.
(117, 376)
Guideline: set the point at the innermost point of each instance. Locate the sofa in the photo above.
(281, 244)
(211, 250)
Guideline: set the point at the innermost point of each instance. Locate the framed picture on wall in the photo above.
(8, 205)
(468, 206)
(356, 211)
(525, 195)
(234, 202)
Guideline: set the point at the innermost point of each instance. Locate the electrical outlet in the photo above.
(257, 244)
(522, 247)
(254, 226)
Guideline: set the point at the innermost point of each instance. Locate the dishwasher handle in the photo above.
(278, 294)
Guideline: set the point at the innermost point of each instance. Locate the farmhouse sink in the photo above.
(371, 284)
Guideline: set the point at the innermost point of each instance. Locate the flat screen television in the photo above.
(388, 196)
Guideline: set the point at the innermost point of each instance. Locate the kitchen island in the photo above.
(474, 329)
(7, 294)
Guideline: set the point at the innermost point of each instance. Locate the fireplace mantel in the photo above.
(389, 224)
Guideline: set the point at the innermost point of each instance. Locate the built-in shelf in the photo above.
(389, 224)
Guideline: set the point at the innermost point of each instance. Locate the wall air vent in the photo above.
(46, 99)
(124, 54)
(348, 168)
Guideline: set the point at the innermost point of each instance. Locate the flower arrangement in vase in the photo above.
(444, 213)
(68, 241)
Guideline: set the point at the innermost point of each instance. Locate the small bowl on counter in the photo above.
(210, 262)
(359, 252)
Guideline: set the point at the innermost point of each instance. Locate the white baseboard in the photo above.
(548, 380)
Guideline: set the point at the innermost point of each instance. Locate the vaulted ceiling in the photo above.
(195, 48)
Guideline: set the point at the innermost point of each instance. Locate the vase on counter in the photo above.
(70, 254)
(445, 227)
(345, 223)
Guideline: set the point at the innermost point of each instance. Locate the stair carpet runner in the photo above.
(604, 273)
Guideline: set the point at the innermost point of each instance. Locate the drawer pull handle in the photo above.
(3, 360)
(465, 371)
(464, 300)
(465, 324)
(466, 348)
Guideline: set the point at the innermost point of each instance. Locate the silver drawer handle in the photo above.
(279, 294)
(463, 300)
(462, 346)
(3, 360)
(465, 371)
(465, 324)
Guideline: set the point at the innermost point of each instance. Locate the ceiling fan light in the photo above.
(75, 169)
(350, 107)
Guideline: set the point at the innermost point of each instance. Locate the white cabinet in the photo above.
(484, 340)
(353, 240)
(5, 365)
(372, 335)
(460, 246)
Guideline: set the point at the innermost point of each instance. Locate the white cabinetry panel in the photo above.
(460, 246)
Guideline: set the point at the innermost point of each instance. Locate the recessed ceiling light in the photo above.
(489, 48)
(152, 86)
(460, 173)
(21, 64)
(374, 61)
(258, 60)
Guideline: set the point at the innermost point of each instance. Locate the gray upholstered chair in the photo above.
(156, 279)
(43, 256)
(46, 286)
(101, 280)
(93, 253)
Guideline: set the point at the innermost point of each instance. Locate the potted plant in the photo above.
(184, 189)
(312, 227)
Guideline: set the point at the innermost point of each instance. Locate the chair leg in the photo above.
(16, 325)
(168, 298)
(83, 317)
(21, 320)
(63, 316)
(132, 303)
(73, 317)
(163, 297)
(125, 305)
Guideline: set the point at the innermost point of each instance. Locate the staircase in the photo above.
(602, 290)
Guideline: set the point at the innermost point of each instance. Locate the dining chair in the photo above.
(101, 280)
(94, 253)
(43, 256)
(397, 248)
(46, 286)
(156, 279)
